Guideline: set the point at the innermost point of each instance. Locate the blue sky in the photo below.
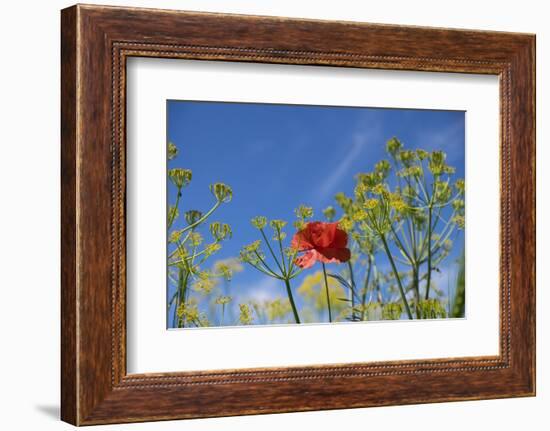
(276, 157)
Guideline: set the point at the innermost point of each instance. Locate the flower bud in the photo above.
(421, 154)
(245, 315)
(437, 162)
(397, 202)
(180, 177)
(369, 180)
(380, 189)
(289, 252)
(225, 271)
(359, 215)
(175, 236)
(442, 192)
(458, 204)
(254, 246)
(304, 212)
(460, 186)
(222, 300)
(407, 157)
(460, 221)
(211, 249)
(220, 231)
(192, 216)
(299, 224)
(259, 222)
(277, 224)
(279, 236)
(172, 151)
(195, 238)
(393, 146)
(346, 224)
(448, 169)
(329, 213)
(222, 192)
(382, 168)
(204, 285)
(173, 213)
(249, 253)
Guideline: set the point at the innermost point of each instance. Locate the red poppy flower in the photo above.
(324, 242)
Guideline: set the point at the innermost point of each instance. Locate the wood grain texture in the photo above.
(96, 41)
(69, 397)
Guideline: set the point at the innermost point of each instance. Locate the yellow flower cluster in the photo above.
(223, 300)
(245, 314)
(180, 177)
(259, 222)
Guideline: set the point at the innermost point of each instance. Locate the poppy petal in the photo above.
(340, 239)
(333, 255)
(307, 259)
(322, 234)
(300, 241)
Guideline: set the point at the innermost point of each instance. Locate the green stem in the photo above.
(394, 268)
(203, 218)
(291, 299)
(400, 244)
(192, 257)
(352, 284)
(282, 252)
(175, 320)
(428, 280)
(272, 253)
(365, 288)
(263, 271)
(173, 214)
(264, 263)
(328, 296)
(416, 291)
(184, 293)
(291, 257)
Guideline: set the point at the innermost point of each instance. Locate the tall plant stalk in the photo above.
(285, 269)
(397, 277)
(366, 288)
(327, 293)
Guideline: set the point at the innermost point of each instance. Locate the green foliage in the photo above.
(403, 212)
(459, 302)
(431, 309)
(191, 252)
(281, 262)
(392, 311)
(398, 208)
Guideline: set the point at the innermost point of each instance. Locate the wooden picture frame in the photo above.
(95, 43)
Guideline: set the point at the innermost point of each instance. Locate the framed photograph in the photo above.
(267, 215)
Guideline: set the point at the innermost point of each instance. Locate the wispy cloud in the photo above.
(445, 139)
(359, 141)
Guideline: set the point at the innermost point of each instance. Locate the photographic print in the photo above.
(297, 214)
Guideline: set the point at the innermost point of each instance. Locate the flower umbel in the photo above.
(222, 192)
(172, 151)
(192, 216)
(180, 177)
(259, 222)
